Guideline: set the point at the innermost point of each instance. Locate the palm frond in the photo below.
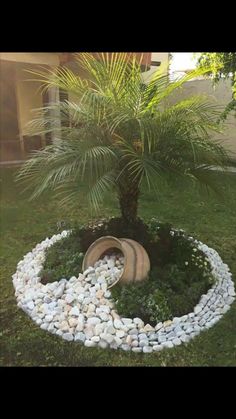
(66, 160)
(164, 88)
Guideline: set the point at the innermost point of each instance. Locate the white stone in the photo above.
(99, 328)
(152, 336)
(176, 341)
(142, 336)
(88, 271)
(158, 326)
(231, 291)
(101, 279)
(168, 344)
(69, 291)
(133, 332)
(74, 311)
(118, 323)
(91, 308)
(184, 318)
(107, 337)
(68, 336)
(48, 318)
(87, 300)
(143, 342)
(147, 349)
(167, 323)
(118, 340)
(178, 328)
(80, 337)
(103, 344)
(120, 333)
(72, 322)
(148, 328)
(111, 330)
(73, 279)
(197, 309)
(81, 298)
(51, 328)
(30, 305)
(64, 326)
(225, 309)
(184, 338)
(126, 347)
(110, 263)
(95, 339)
(52, 287)
(99, 269)
(104, 316)
(93, 320)
(52, 305)
(126, 321)
(59, 291)
(162, 338)
(157, 348)
(105, 309)
(44, 326)
(69, 298)
(99, 294)
(89, 344)
(176, 320)
(128, 340)
(137, 350)
(47, 299)
(138, 321)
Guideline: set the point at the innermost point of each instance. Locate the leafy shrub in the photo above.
(182, 288)
(141, 300)
(63, 260)
(168, 292)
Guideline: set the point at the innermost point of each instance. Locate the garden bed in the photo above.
(61, 308)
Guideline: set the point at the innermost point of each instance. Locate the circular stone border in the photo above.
(100, 325)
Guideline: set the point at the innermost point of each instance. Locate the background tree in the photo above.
(222, 64)
(122, 134)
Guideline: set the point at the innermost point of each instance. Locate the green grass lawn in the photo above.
(24, 224)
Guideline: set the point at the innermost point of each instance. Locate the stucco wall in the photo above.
(47, 58)
(28, 96)
(221, 95)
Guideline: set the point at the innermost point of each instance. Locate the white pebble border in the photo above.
(81, 311)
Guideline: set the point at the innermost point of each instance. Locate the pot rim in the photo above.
(117, 241)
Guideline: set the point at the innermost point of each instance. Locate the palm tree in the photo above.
(118, 132)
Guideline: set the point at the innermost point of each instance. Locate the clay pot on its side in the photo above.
(136, 260)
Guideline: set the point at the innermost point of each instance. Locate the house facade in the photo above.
(20, 94)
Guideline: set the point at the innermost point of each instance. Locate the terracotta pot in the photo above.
(136, 260)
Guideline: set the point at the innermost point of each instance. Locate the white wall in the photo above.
(221, 95)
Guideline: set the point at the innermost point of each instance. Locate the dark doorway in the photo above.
(63, 97)
(46, 102)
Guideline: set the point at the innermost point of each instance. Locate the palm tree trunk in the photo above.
(128, 200)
